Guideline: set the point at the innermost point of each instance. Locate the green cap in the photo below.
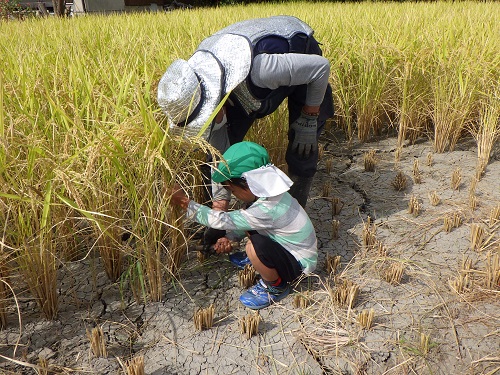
(240, 158)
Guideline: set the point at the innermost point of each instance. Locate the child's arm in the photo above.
(178, 196)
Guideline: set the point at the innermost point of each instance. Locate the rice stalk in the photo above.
(487, 132)
(394, 273)
(204, 318)
(38, 265)
(434, 198)
(43, 366)
(302, 300)
(135, 366)
(473, 202)
(371, 75)
(4, 294)
(326, 189)
(456, 178)
(397, 155)
(337, 205)
(365, 318)
(477, 236)
(369, 234)
(455, 89)
(381, 249)
(417, 175)
(332, 263)
(430, 159)
(97, 342)
(492, 271)
(369, 160)
(424, 343)
(345, 293)
(249, 324)
(335, 229)
(246, 277)
(414, 206)
(400, 181)
(460, 283)
(329, 165)
(494, 215)
(411, 87)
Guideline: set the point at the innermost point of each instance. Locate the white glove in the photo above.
(305, 138)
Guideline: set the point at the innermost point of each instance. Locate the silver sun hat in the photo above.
(190, 91)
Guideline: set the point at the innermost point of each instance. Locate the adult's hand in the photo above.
(304, 135)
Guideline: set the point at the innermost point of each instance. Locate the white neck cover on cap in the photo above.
(267, 181)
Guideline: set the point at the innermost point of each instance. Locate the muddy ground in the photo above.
(421, 325)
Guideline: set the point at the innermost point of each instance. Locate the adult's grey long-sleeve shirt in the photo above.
(292, 69)
(275, 70)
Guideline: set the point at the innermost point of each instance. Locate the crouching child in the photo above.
(282, 242)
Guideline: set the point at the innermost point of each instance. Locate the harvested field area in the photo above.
(415, 290)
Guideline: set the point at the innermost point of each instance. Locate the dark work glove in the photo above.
(211, 236)
(304, 139)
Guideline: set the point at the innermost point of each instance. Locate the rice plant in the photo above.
(83, 143)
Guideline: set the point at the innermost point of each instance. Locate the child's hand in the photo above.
(177, 196)
(223, 245)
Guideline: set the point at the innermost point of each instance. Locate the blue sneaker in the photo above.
(239, 259)
(262, 295)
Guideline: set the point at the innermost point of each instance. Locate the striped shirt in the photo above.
(280, 218)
